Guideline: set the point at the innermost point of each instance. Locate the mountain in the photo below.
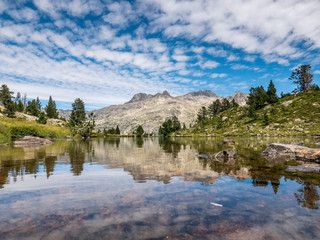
(239, 97)
(151, 110)
(291, 115)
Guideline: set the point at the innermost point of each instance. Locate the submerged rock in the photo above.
(291, 151)
(29, 141)
(228, 142)
(311, 167)
(227, 154)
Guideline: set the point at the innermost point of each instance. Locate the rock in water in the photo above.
(228, 154)
(291, 151)
(228, 142)
(29, 141)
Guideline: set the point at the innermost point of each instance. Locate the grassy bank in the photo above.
(12, 128)
(291, 116)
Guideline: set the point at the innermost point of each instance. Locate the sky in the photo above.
(106, 51)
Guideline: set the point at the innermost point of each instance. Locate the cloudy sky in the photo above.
(105, 51)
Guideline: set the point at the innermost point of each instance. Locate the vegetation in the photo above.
(51, 109)
(169, 126)
(302, 77)
(299, 117)
(139, 131)
(78, 114)
(79, 124)
(19, 127)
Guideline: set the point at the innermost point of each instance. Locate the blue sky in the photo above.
(105, 51)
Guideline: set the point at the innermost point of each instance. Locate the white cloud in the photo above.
(270, 28)
(218, 75)
(239, 67)
(317, 72)
(209, 64)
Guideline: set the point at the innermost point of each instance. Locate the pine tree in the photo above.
(5, 95)
(10, 109)
(38, 104)
(234, 104)
(32, 108)
(51, 109)
(20, 107)
(140, 131)
(118, 130)
(225, 105)
(257, 97)
(302, 77)
(42, 118)
(202, 114)
(272, 93)
(78, 114)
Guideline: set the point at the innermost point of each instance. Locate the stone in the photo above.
(311, 167)
(30, 141)
(291, 151)
(298, 120)
(228, 142)
(287, 103)
(227, 154)
(224, 119)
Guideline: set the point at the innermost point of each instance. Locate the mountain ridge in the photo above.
(151, 110)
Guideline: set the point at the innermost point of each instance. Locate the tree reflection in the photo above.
(308, 195)
(77, 156)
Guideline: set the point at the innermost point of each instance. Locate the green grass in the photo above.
(304, 107)
(13, 128)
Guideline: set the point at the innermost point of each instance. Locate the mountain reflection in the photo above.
(159, 159)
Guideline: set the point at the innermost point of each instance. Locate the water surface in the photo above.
(126, 188)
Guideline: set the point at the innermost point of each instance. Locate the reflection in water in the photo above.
(142, 188)
(308, 195)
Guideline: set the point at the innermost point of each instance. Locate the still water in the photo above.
(126, 188)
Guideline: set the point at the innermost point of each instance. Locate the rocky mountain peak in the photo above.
(240, 98)
(206, 93)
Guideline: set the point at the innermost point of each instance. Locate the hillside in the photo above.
(151, 110)
(298, 115)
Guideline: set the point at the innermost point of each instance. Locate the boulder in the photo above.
(30, 141)
(291, 151)
(287, 103)
(227, 154)
(228, 142)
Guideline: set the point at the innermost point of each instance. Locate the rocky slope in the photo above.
(151, 110)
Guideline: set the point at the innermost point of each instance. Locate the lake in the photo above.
(153, 188)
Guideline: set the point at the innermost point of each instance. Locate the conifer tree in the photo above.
(234, 104)
(302, 77)
(5, 95)
(32, 108)
(225, 105)
(140, 131)
(42, 118)
(202, 114)
(78, 114)
(272, 93)
(51, 109)
(20, 107)
(118, 130)
(38, 104)
(10, 109)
